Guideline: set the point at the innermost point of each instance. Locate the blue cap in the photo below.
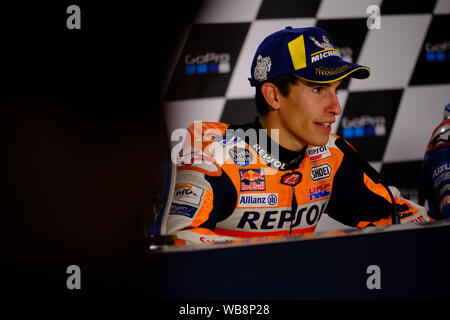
(307, 53)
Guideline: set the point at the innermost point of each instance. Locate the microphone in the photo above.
(370, 171)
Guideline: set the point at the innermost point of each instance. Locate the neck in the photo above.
(286, 139)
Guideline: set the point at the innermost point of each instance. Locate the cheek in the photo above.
(292, 115)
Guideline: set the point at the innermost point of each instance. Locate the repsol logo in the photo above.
(274, 219)
(269, 159)
(318, 153)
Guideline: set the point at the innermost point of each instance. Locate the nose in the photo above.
(334, 106)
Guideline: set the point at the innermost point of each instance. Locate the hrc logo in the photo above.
(319, 192)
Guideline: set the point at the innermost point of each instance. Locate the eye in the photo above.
(317, 89)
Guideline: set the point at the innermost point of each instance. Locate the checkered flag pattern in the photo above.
(388, 117)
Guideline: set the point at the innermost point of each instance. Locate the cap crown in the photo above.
(306, 52)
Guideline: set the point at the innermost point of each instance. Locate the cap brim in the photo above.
(333, 72)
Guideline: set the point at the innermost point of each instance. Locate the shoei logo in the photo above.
(363, 126)
(207, 63)
(320, 172)
(436, 52)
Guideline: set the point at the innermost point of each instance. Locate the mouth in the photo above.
(324, 125)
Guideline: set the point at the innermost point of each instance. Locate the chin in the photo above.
(319, 141)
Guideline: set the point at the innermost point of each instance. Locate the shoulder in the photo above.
(206, 131)
(200, 146)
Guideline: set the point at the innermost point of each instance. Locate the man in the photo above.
(253, 182)
(436, 171)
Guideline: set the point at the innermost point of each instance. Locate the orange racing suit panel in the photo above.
(230, 187)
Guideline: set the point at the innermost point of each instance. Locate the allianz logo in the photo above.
(258, 200)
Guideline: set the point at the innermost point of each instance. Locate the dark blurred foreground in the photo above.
(83, 141)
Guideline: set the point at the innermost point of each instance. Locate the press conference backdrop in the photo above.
(388, 117)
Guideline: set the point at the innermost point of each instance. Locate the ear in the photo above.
(271, 94)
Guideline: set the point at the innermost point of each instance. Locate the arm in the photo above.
(358, 201)
(204, 194)
(199, 202)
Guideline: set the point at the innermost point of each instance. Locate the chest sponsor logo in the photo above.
(241, 156)
(307, 216)
(269, 159)
(319, 192)
(252, 179)
(320, 172)
(258, 200)
(291, 179)
(318, 153)
(188, 193)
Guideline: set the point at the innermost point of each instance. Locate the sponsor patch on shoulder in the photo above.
(318, 153)
(188, 193)
(241, 156)
(182, 209)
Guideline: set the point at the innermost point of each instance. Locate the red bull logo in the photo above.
(252, 179)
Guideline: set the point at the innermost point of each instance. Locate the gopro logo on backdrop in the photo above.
(437, 51)
(364, 126)
(207, 63)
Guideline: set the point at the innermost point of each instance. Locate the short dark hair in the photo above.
(283, 83)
